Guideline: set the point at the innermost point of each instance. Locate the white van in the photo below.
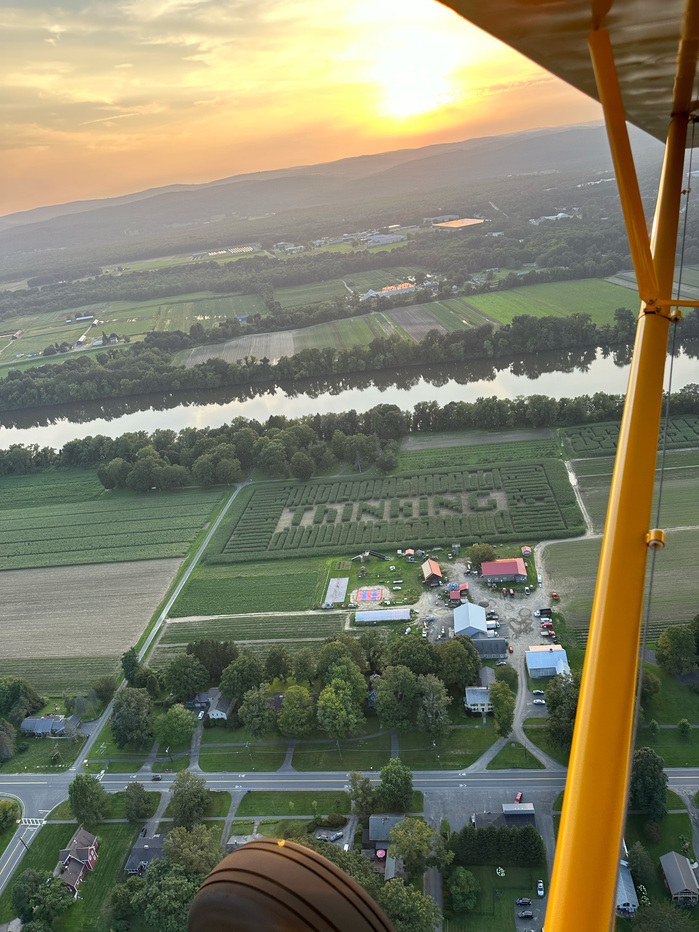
(397, 588)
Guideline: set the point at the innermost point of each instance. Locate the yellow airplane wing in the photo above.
(645, 36)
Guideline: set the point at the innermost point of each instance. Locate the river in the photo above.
(557, 375)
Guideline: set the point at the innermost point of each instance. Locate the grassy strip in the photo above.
(540, 738)
(515, 756)
(461, 747)
(362, 754)
(276, 803)
(267, 757)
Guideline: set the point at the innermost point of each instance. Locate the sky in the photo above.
(106, 97)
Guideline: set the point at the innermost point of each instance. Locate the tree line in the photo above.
(145, 368)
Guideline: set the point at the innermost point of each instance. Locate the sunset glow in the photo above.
(115, 97)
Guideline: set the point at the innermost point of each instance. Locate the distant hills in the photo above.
(160, 213)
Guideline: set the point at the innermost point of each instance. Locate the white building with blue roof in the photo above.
(546, 660)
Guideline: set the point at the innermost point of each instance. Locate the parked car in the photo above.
(539, 702)
(143, 833)
(537, 614)
(511, 649)
(424, 632)
(538, 692)
(523, 901)
(525, 914)
(337, 835)
(519, 797)
(157, 776)
(554, 596)
(540, 887)
(501, 663)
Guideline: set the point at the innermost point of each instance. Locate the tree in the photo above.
(18, 699)
(676, 650)
(373, 644)
(301, 466)
(105, 687)
(25, 888)
(305, 665)
(243, 674)
(215, 655)
(395, 792)
(256, 712)
(198, 851)
(650, 685)
(131, 721)
(9, 813)
(51, 899)
(415, 653)
(277, 663)
(189, 799)
(503, 708)
(663, 917)
(408, 909)
(8, 736)
(458, 665)
(419, 847)
(362, 794)
(562, 704)
(185, 676)
(88, 798)
(641, 865)
(653, 728)
(464, 888)
(297, 715)
(648, 784)
(177, 726)
(478, 554)
(396, 697)
(137, 805)
(331, 653)
(337, 711)
(433, 707)
(508, 675)
(163, 900)
(130, 664)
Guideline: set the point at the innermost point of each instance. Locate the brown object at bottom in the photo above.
(282, 887)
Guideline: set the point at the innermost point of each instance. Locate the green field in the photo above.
(260, 757)
(455, 314)
(461, 748)
(344, 334)
(54, 675)
(597, 298)
(275, 586)
(572, 566)
(601, 439)
(498, 503)
(42, 856)
(273, 803)
(66, 519)
(312, 293)
(437, 457)
(377, 279)
(255, 628)
(675, 750)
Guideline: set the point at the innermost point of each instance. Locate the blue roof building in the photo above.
(546, 661)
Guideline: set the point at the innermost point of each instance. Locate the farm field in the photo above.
(680, 501)
(460, 456)
(105, 529)
(417, 320)
(50, 676)
(597, 298)
(572, 566)
(688, 275)
(377, 279)
(453, 314)
(277, 586)
(71, 611)
(499, 503)
(312, 293)
(601, 439)
(344, 334)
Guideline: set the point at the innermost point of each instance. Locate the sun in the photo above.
(409, 85)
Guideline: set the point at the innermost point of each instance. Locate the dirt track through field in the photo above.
(80, 611)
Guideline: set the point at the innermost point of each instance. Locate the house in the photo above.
(545, 660)
(470, 619)
(46, 725)
(431, 572)
(486, 676)
(143, 852)
(512, 570)
(477, 699)
(79, 857)
(519, 814)
(219, 708)
(455, 596)
(680, 879)
(626, 898)
(526, 551)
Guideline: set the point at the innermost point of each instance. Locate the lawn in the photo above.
(539, 736)
(597, 298)
(259, 757)
(39, 754)
(671, 827)
(672, 702)
(514, 756)
(242, 827)
(358, 754)
(116, 841)
(675, 750)
(105, 748)
(278, 803)
(42, 856)
(461, 748)
(282, 828)
(219, 805)
(495, 909)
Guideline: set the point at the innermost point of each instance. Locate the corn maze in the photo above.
(497, 504)
(601, 439)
